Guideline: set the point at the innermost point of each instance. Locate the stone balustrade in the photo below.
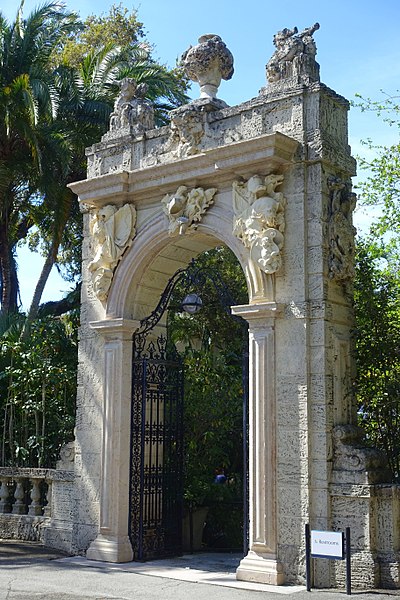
(26, 500)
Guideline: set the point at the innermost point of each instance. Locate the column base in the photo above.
(110, 549)
(260, 568)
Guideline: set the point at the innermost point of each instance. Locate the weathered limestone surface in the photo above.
(299, 314)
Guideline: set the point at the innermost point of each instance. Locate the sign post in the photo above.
(327, 544)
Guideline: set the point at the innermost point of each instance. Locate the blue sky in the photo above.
(358, 51)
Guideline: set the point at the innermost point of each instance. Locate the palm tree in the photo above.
(49, 113)
(86, 101)
(29, 100)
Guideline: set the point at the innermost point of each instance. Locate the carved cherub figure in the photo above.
(131, 109)
(112, 232)
(259, 219)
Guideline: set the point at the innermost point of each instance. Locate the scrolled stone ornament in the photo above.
(185, 209)
(341, 230)
(207, 63)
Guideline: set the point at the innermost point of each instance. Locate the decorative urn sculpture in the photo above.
(208, 63)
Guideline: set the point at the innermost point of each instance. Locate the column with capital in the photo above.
(261, 563)
(112, 543)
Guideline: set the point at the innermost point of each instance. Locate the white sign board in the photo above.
(327, 544)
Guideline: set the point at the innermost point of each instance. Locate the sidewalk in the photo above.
(29, 572)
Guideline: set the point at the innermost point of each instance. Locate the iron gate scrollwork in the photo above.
(157, 447)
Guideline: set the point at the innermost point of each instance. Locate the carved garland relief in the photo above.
(112, 230)
(341, 230)
(259, 219)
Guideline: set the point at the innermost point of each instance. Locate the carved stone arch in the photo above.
(299, 469)
(152, 243)
(157, 251)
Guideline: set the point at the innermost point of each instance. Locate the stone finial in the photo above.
(131, 110)
(112, 230)
(208, 63)
(294, 56)
(259, 219)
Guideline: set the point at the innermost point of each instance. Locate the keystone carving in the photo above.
(131, 109)
(185, 209)
(112, 230)
(207, 63)
(259, 219)
(294, 55)
(341, 230)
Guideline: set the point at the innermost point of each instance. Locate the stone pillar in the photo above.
(261, 564)
(19, 495)
(113, 544)
(35, 507)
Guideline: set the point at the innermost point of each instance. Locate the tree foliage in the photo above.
(377, 292)
(37, 389)
(381, 187)
(120, 28)
(213, 345)
(377, 305)
(29, 99)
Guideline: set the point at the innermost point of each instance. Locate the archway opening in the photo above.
(204, 499)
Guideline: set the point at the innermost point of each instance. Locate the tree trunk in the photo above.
(5, 268)
(44, 275)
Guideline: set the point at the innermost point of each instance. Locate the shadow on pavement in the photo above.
(23, 553)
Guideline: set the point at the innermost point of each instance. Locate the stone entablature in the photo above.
(200, 126)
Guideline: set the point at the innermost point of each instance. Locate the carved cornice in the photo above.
(269, 152)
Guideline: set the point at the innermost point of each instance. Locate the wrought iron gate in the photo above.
(156, 479)
(157, 450)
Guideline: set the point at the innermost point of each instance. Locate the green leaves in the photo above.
(377, 308)
(37, 391)
(381, 186)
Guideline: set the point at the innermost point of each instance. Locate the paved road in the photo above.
(29, 572)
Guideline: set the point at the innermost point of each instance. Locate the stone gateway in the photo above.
(271, 180)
